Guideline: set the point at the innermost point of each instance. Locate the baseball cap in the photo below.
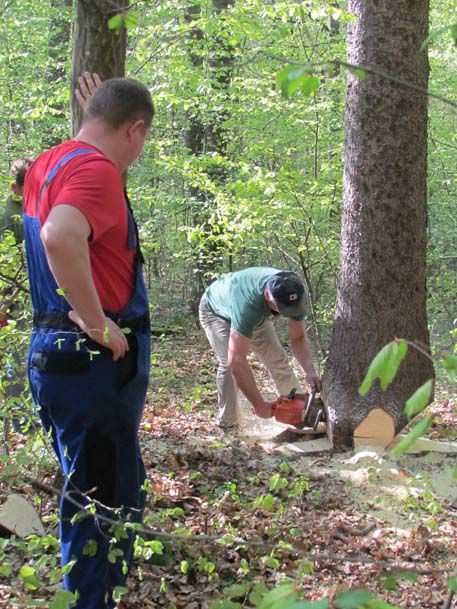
(288, 291)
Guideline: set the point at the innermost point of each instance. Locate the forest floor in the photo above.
(327, 522)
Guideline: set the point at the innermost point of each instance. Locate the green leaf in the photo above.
(276, 597)
(450, 364)
(385, 365)
(184, 566)
(237, 590)
(408, 576)
(390, 582)
(62, 600)
(310, 85)
(419, 400)
(126, 330)
(277, 482)
(118, 592)
(268, 502)
(322, 604)
(114, 554)
(271, 562)
(353, 599)
(291, 79)
(5, 570)
(27, 574)
(106, 335)
(61, 292)
(416, 432)
(359, 72)
(437, 32)
(90, 548)
(115, 23)
(131, 19)
(452, 583)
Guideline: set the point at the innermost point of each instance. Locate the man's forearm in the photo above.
(302, 352)
(71, 269)
(244, 378)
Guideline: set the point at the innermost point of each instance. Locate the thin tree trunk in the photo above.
(96, 48)
(59, 38)
(381, 292)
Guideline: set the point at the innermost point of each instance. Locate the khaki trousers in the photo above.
(266, 346)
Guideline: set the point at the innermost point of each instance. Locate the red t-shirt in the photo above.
(92, 184)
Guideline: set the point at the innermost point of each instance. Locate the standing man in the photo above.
(236, 312)
(89, 356)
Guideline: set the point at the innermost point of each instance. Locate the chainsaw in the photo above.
(300, 409)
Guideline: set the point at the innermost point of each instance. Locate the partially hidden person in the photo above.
(10, 303)
(237, 312)
(88, 362)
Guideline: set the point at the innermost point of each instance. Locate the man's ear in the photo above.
(133, 128)
(14, 188)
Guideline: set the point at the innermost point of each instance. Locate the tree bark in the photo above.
(96, 48)
(207, 136)
(381, 293)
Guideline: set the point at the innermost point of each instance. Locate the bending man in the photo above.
(89, 356)
(236, 312)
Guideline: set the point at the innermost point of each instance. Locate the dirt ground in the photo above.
(327, 522)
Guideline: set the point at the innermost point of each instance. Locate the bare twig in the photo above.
(223, 539)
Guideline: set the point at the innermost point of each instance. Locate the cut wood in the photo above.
(377, 429)
(19, 517)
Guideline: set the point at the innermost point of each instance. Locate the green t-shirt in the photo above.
(239, 298)
(11, 219)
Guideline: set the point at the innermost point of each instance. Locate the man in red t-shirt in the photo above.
(89, 354)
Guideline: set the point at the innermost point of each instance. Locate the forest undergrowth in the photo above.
(248, 515)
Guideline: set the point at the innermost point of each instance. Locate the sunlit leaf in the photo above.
(353, 599)
(310, 85)
(450, 364)
(131, 19)
(292, 78)
(437, 32)
(416, 432)
(275, 599)
(359, 72)
(115, 23)
(385, 365)
(419, 400)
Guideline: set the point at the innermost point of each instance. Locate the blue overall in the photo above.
(91, 408)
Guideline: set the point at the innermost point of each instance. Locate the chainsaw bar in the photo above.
(314, 413)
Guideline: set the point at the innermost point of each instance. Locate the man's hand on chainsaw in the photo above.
(314, 379)
(264, 411)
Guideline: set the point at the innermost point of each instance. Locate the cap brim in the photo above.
(294, 311)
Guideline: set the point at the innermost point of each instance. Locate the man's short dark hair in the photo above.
(120, 100)
(18, 170)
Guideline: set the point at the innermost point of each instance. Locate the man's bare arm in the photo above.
(302, 351)
(64, 236)
(239, 347)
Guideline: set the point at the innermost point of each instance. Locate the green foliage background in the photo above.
(280, 197)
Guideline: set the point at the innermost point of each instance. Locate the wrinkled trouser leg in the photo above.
(93, 425)
(218, 333)
(266, 345)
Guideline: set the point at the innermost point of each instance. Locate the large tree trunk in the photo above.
(381, 292)
(96, 48)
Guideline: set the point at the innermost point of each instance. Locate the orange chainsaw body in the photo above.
(299, 409)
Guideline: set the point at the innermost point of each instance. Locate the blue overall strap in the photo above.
(63, 161)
